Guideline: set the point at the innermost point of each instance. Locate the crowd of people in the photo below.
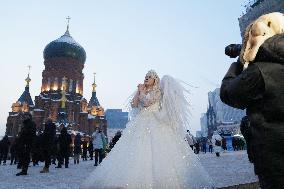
(50, 148)
(238, 143)
(216, 143)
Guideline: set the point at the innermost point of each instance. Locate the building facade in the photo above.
(219, 115)
(256, 8)
(61, 97)
(116, 118)
(203, 123)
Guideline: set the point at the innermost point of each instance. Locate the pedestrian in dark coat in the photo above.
(91, 149)
(55, 151)
(64, 141)
(85, 149)
(260, 90)
(204, 146)
(48, 138)
(197, 147)
(26, 139)
(13, 151)
(5, 143)
(77, 148)
(224, 144)
(210, 143)
(37, 150)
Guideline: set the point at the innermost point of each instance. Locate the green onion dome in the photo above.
(65, 46)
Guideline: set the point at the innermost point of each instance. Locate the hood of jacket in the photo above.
(272, 50)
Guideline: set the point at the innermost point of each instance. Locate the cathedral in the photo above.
(61, 97)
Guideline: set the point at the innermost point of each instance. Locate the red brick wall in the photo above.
(60, 67)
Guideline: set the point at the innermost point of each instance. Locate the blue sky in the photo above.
(123, 40)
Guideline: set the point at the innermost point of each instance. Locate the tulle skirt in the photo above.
(149, 155)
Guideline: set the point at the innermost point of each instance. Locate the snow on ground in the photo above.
(231, 168)
(56, 178)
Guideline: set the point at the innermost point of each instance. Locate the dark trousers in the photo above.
(84, 156)
(47, 157)
(25, 158)
(76, 158)
(13, 158)
(63, 158)
(35, 159)
(210, 148)
(98, 156)
(53, 159)
(3, 156)
(91, 153)
(197, 150)
(204, 149)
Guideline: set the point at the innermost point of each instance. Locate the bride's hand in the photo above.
(141, 88)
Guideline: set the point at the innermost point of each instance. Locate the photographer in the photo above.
(259, 89)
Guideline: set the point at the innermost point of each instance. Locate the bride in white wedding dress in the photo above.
(152, 152)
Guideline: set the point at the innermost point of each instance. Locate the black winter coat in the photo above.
(5, 143)
(14, 147)
(64, 141)
(91, 147)
(85, 145)
(260, 90)
(27, 134)
(48, 137)
(77, 144)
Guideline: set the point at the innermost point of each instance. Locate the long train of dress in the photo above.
(149, 155)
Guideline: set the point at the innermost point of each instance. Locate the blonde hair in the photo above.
(155, 76)
(245, 41)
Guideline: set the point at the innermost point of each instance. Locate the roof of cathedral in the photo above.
(26, 97)
(65, 46)
(94, 100)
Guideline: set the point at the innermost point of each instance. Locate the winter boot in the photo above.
(58, 166)
(21, 173)
(44, 170)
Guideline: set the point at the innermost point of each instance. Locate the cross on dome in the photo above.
(94, 84)
(68, 21)
(28, 79)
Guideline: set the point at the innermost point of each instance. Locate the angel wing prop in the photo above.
(175, 105)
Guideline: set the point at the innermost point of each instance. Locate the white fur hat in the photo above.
(257, 32)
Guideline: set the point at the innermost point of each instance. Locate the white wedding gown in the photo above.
(149, 155)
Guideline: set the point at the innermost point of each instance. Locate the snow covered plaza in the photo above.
(142, 94)
(230, 169)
